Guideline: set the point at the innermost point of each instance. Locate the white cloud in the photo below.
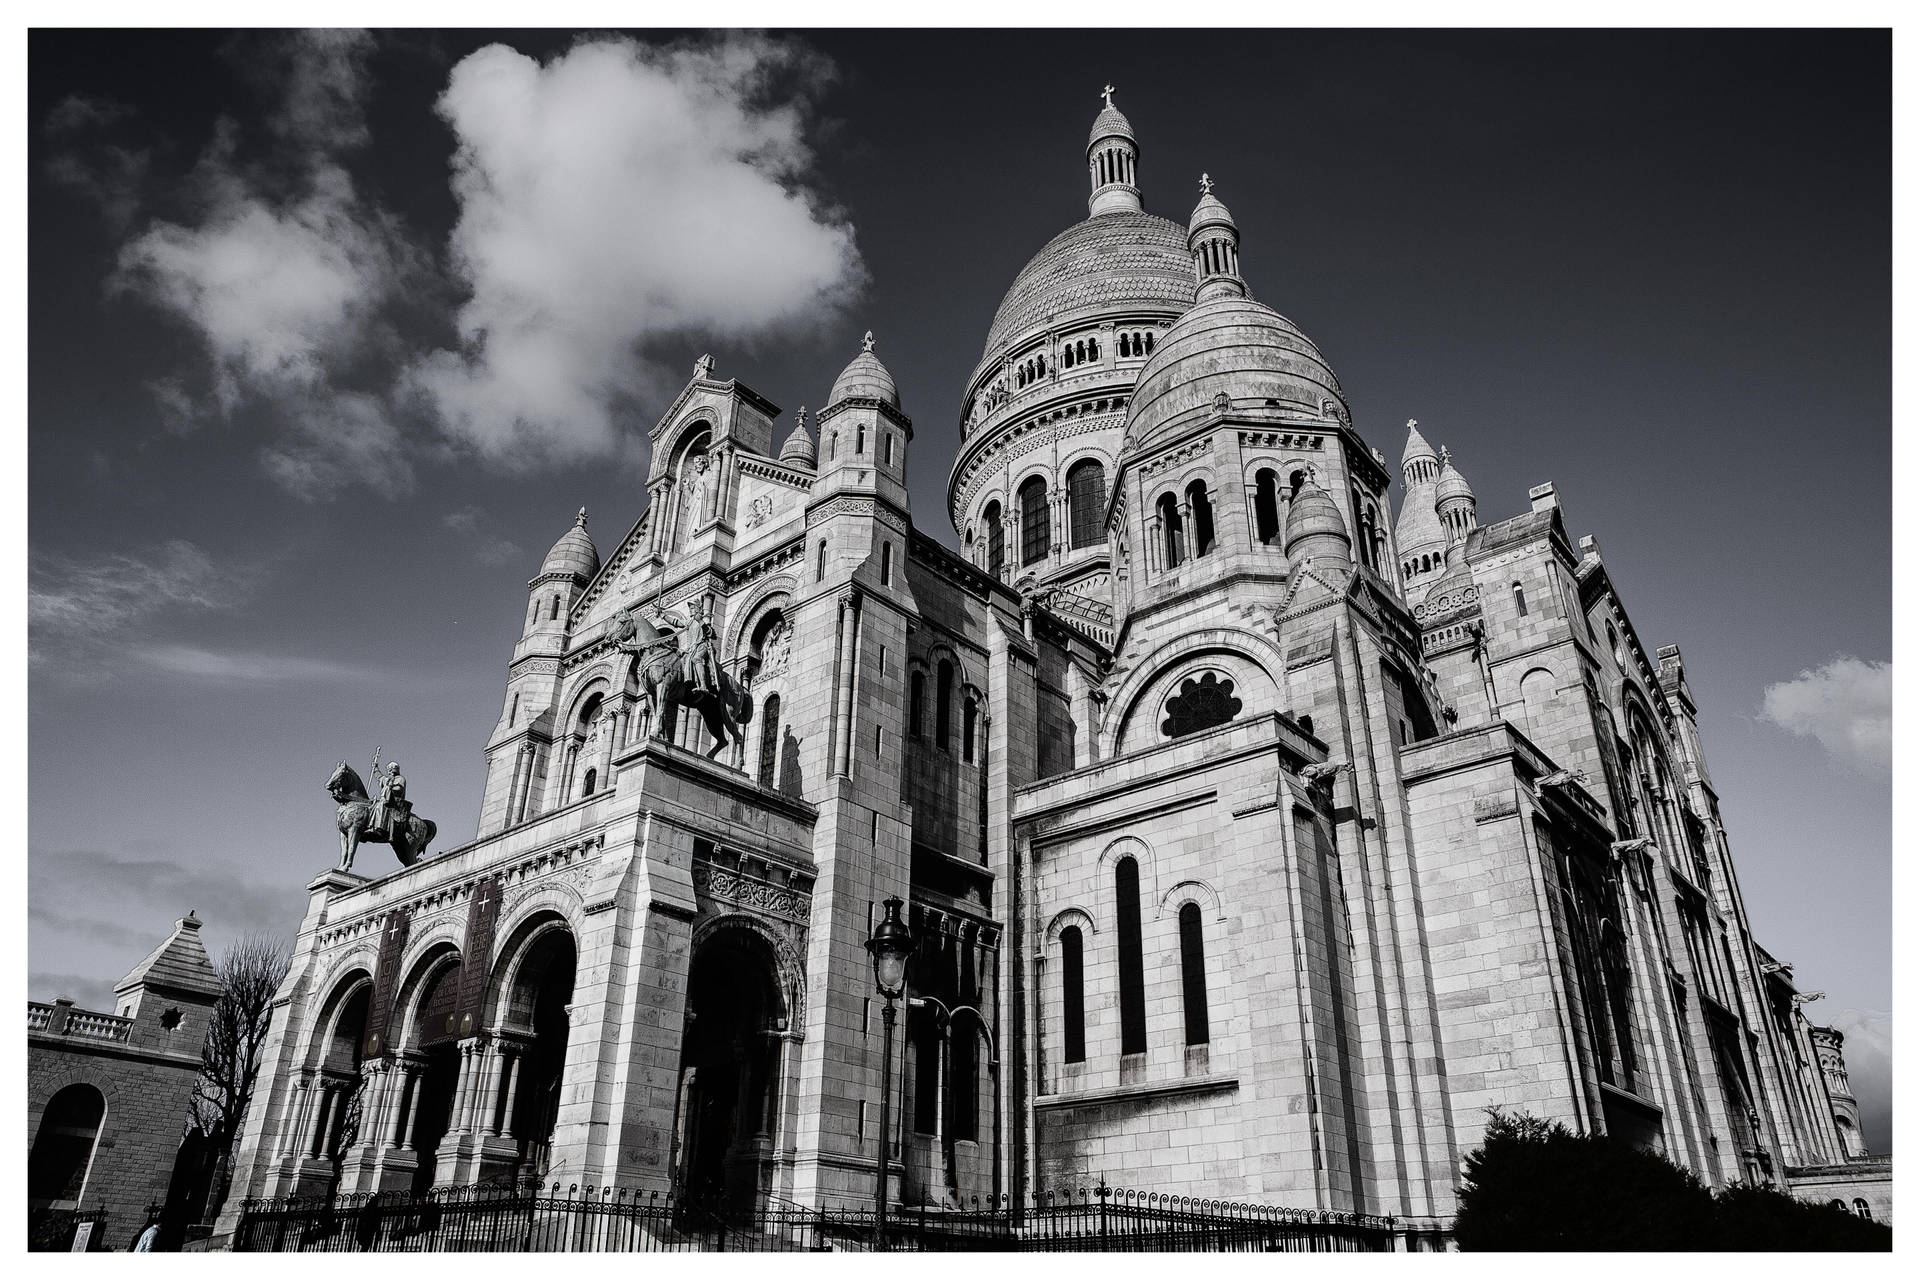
(615, 196)
(70, 598)
(244, 668)
(284, 275)
(1846, 706)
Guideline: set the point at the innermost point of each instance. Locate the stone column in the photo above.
(501, 1117)
(296, 1125)
(318, 1130)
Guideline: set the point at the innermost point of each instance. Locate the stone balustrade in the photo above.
(61, 1019)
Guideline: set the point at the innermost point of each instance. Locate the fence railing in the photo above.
(610, 1220)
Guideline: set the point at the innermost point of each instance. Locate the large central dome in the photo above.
(1110, 262)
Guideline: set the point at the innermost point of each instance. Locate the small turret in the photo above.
(563, 575)
(1315, 529)
(1113, 158)
(863, 434)
(170, 995)
(1214, 242)
(1454, 502)
(799, 450)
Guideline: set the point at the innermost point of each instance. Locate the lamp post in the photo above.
(890, 944)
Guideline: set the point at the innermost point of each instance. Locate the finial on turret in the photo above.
(1206, 185)
(1107, 93)
(1412, 423)
(580, 521)
(1446, 455)
(800, 418)
(866, 343)
(703, 367)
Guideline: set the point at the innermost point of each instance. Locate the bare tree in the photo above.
(251, 970)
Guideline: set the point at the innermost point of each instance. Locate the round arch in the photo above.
(60, 1162)
(1253, 654)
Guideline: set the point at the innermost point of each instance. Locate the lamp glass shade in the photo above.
(890, 945)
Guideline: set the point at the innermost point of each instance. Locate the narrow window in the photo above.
(963, 1084)
(1073, 1008)
(769, 739)
(1093, 348)
(916, 700)
(1149, 344)
(1520, 599)
(926, 1069)
(886, 564)
(889, 448)
(943, 706)
(1171, 542)
(969, 721)
(996, 539)
(554, 613)
(1133, 998)
(1034, 533)
(860, 437)
(876, 742)
(1086, 495)
(586, 785)
(833, 446)
(513, 712)
(1266, 506)
(820, 562)
(1202, 514)
(1193, 974)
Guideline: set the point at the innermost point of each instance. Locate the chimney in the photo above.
(1542, 496)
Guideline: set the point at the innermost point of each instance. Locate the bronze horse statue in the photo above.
(354, 817)
(665, 686)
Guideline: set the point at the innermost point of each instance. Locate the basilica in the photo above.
(1262, 815)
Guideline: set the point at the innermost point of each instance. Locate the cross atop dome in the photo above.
(1206, 185)
(866, 343)
(580, 521)
(1107, 93)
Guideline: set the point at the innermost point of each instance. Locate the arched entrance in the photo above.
(435, 1058)
(730, 1062)
(533, 1031)
(63, 1147)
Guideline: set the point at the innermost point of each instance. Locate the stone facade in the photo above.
(1256, 841)
(107, 1093)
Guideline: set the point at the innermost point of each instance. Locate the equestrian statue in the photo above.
(678, 664)
(389, 820)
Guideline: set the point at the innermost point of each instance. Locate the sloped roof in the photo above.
(180, 963)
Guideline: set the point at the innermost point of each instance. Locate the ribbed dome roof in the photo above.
(1209, 213)
(575, 552)
(800, 450)
(1313, 511)
(1451, 484)
(1114, 261)
(1417, 446)
(1233, 345)
(866, 378)
(1109, 124)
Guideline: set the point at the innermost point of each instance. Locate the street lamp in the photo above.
(890, 944)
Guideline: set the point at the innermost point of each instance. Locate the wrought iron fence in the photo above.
(52, 1230)
(610, 1220)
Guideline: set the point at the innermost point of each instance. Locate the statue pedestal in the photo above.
(335, 881)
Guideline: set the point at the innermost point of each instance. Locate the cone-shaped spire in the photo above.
(1113, 158)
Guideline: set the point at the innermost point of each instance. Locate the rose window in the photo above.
(1200, 703)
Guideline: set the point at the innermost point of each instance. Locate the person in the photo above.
(393, 805)
(148, 1237)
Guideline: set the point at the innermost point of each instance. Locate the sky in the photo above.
(330, 334)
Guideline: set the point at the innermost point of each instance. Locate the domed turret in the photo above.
(574, 553)
(1315, 529)
(1453, 500)
(864, 378)
(800, 450)
(1214, 242)
(1113, 158)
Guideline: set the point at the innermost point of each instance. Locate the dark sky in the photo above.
(1653, 268)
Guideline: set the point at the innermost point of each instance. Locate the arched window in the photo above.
(553, 614)
(62, 1153)
(1093, 348)
(1202, 515)
(588, 783)
(889, 448)
(1860, 1207)
(1034, 533)
(916, 704)
(1073, 1000)
(833, 445)
(769, 739)
(1193, 974)
(1086, 495)
(1520, 599)
(1133, 997)
(1149, 343)
(996, 539)
(1171, 543)
(886, 564)
(820, 562)
(1266, 507)
(1126, 346)
(943, 708)
(969, 723)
